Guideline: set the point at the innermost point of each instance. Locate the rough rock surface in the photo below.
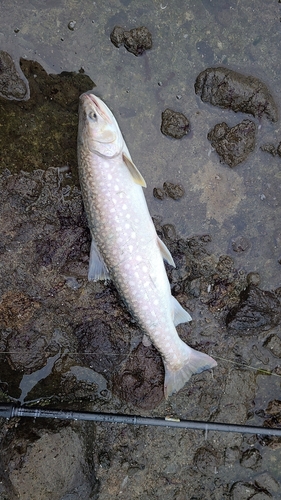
(136, 40)
(13, 84)
(174, 124)
(229, 89)
(234, 144)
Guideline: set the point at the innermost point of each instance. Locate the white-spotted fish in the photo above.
(125, 247)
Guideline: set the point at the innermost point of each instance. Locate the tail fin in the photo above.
(195, 362)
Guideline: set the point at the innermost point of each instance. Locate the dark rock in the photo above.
(265, 481)
(13, 84)
(253, 278)
(52, 463)
(243, 491)
(141, 379)
(137, 40)
(269, 148)
(279, 149)
(206, 460)
(257, 309)
(159, 194)
(117, 36)
(229, 89)
(233, 145)
(251, 458)
(169, 232)
(273, 344)
(174, 124)
(174, 191)
(96, 340)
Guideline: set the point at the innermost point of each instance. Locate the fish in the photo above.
(125, 247)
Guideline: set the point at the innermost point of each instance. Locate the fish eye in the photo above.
(93, 116)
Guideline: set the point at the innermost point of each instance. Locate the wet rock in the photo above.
(257, 309)
(71, 25)
(229, 89)
(26, 351)
(13, 84)
(269, 148)
(253, 278)
(240, 244)
(206, 460)
(174, 124)
(273, 343)
(231, 456)
(16, 309)
(251, 458)
(137, 40)
(102, 352)
(273, 410)
(169, 232)
(38, 121)
(243, 491)
(117, 36)
(174, 191)
(141, 379)
(233, 145)
(159, 193)
(44, 465)
(267, 482)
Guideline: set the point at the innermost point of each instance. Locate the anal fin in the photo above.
(97, 268)
(180, 315)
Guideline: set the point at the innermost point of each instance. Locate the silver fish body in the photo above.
(125, 246)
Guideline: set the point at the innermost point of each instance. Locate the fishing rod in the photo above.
(10, 410)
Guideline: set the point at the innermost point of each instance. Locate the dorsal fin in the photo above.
(135, 173)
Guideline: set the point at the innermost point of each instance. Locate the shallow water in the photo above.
(187, 37)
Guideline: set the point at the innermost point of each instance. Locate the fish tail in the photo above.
(196, 362)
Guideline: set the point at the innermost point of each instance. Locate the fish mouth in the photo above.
(98, 104)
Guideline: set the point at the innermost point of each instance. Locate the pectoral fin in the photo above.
(97, 268)
(180, 315)
(135, 173)
(165, 252)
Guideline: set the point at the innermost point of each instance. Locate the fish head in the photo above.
(98, 129)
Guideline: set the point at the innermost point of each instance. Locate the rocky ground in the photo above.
(70, 344)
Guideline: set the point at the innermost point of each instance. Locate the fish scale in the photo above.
(125, 246)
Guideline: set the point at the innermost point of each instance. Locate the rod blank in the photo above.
(10, 410)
